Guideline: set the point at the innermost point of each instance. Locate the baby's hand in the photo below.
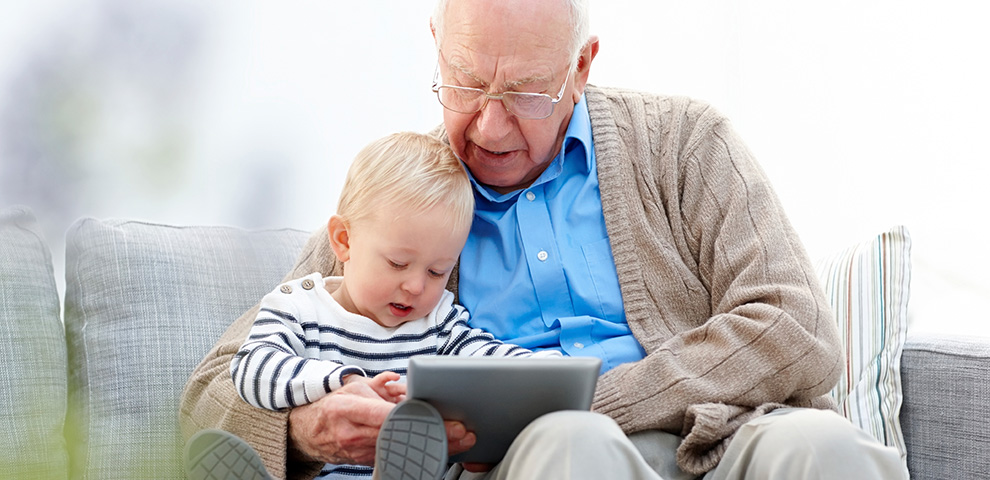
(396, 390)
(385, 384)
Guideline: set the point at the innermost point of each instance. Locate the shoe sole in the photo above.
(412, 443)
(218, 455)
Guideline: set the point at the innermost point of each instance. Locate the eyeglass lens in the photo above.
(471, 100)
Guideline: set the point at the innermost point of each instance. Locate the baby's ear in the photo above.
(339, 238)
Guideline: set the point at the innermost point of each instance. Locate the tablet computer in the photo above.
(496, 397)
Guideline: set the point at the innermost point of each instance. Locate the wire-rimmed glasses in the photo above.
(531, 106)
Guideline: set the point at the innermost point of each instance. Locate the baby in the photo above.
(403, 217)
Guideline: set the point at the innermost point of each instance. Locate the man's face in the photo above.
(500, 46)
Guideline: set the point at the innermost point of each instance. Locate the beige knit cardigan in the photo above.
(716, 287)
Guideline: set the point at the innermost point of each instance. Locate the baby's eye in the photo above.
(436, 274)
(395, 265)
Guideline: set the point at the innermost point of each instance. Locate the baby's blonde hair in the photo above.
(410, 169)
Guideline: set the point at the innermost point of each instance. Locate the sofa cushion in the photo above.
(868, 285)
(946, 395)
(33, 358)
(144, 303)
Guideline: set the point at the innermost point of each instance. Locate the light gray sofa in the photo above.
(98, 399)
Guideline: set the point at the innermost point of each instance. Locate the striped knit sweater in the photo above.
(715, 284)
(303, 343)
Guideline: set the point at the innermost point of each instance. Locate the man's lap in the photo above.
(806, 443)
(777, 444)
(559, 444)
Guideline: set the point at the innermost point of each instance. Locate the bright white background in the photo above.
(865, 114)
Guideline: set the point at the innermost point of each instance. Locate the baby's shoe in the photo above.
(412, 444)
(218, 455)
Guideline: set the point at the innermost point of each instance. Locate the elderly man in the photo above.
(627, 226)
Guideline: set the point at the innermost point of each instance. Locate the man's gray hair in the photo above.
(580, 24)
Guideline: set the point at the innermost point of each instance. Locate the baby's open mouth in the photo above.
(399, 310)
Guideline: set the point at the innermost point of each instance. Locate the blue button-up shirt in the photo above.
(537, 269)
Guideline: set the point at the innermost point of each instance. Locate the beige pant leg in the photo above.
(571, 445)
(807, 444)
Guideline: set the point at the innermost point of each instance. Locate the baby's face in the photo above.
(399, 263)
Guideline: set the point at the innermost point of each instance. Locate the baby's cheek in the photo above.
(432, 297)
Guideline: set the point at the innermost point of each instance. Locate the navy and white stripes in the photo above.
(303, 344)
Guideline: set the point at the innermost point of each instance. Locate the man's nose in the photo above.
(493, 121)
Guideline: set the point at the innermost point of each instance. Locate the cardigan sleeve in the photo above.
(716, 285)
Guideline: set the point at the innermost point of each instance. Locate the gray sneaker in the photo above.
(219, 455)
(412, 443)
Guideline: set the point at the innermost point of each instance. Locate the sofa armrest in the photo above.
(946, 384)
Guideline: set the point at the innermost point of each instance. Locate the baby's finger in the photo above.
(395, 388)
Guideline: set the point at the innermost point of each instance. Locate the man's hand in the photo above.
(477, 467)
(343, 426)
(459, 439)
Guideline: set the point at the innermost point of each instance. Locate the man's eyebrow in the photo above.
(454, 64)
(508, 86)
(526, 80)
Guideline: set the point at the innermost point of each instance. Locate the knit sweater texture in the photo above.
(715, 283)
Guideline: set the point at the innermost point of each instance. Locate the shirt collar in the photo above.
(578, 134)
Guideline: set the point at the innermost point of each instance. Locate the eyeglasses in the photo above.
(531, 106)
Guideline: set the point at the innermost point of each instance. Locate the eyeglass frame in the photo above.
(490, 96)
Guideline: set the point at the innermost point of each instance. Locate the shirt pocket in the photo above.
(604, 280)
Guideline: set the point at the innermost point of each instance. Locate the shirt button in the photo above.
(578, 345)
(542, 255)
(530, 196)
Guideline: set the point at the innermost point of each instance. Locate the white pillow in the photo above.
(868, 286)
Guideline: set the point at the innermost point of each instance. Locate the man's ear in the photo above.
(583, 67)
(340, 239)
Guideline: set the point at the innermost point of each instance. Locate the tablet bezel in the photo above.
(496, 397)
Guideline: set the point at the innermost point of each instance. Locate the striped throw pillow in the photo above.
(868, 287)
